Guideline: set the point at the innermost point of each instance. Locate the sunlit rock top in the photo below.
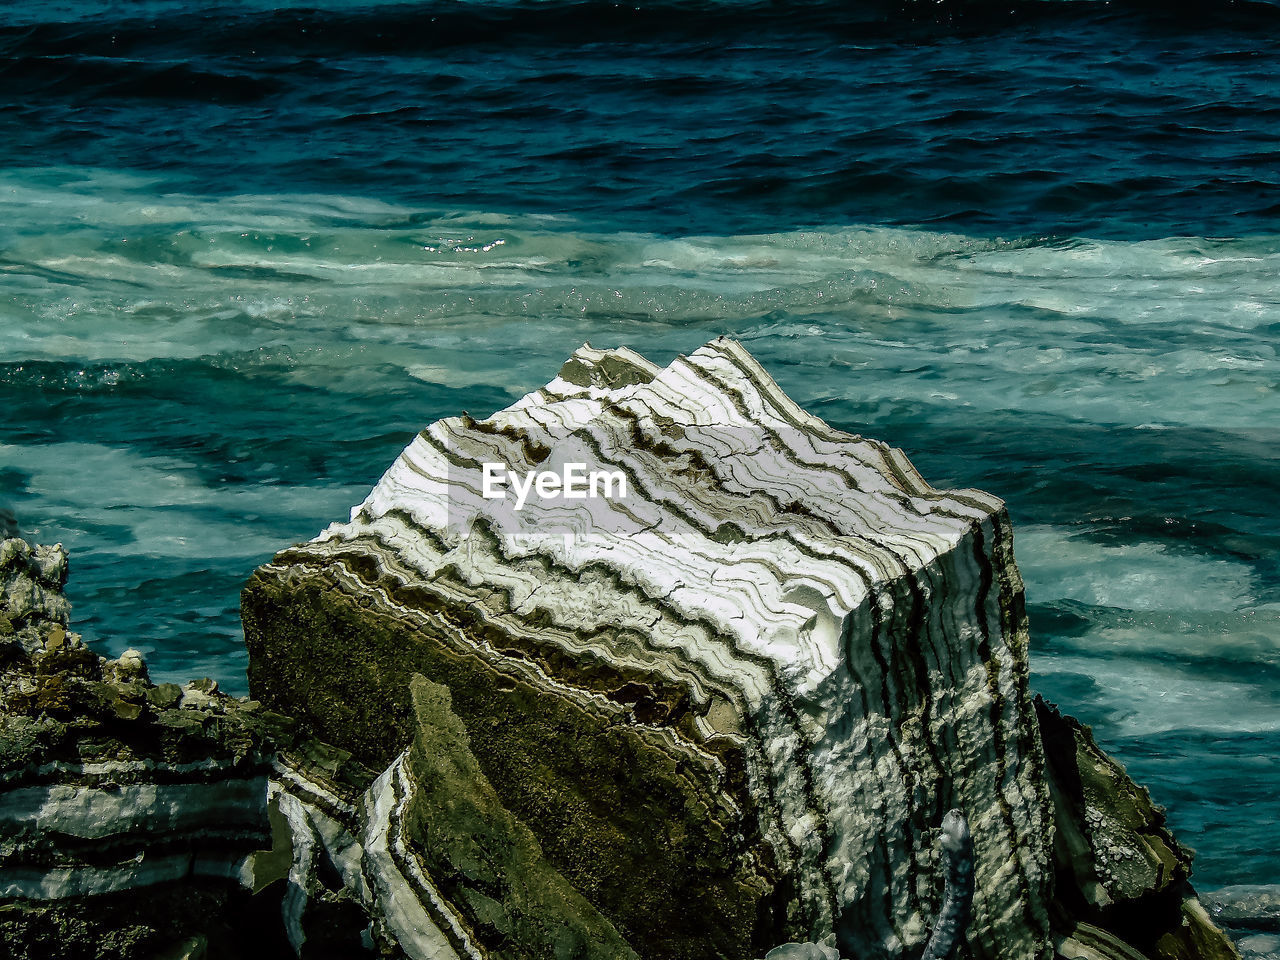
(790, 609)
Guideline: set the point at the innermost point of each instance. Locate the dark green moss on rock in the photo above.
(483, 858)
(637, 825)
(150, 924)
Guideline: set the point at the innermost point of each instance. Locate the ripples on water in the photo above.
(246, 253)
(1105, 119)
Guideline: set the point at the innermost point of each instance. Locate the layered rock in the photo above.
(1123, 879)
(719, 701)
(129, 812)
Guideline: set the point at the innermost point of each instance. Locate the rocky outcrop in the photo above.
(1122, 877)
(129, 812)
(653, 663)
(1123, 849)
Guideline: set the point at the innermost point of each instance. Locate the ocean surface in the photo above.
(246, 252)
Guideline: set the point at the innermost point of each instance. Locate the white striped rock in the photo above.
(731, 694)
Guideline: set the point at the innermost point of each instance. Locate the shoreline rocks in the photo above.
(718, 705)
(127, 810)
(1251, 906)
(732, 703)
(1250, 914)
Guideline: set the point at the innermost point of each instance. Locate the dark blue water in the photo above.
(1121, 119)
(246, 252)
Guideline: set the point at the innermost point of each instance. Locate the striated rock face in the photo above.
(427, 832)
(651, 665)
(719, 701)
(128, 811)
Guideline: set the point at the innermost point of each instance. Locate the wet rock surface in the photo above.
(1250, 913)
(1255, 906)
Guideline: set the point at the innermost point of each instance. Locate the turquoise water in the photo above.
(245, 256)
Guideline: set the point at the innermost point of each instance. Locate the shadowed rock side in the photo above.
(953, 916)
(726, 710)
(589, 783)
(479, 854)
(1122, 876)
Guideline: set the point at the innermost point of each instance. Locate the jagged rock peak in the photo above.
(748, 669)
(31, 600)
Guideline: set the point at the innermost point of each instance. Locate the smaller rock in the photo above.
(193, 698)
(131, 691)
(1255, 906)
(50, 564)
(165, 696)
(825, 950)
(204, 685)
(127, 711)
(186, 722)
(1259, 946)
(130, 666)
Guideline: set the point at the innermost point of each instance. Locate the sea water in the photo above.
(246, 252)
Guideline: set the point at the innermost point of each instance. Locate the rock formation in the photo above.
(650, 665)
(653, 663)
(130, 813)
(1122, 877)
